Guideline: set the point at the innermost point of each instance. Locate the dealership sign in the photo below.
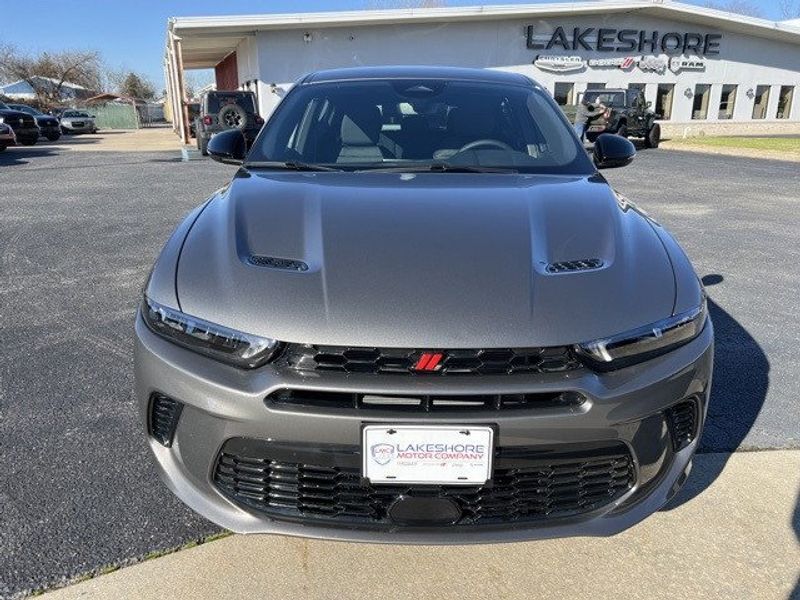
(603, 39)
(559, 64)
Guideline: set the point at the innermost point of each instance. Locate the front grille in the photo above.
(529, 484)
(682, 420)
(164, 415)
(426, 402)
(401, 361)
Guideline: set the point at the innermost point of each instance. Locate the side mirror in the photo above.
(228, 147)
(611, 151)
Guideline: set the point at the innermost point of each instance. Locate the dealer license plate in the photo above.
(596, 128)
(427, 454)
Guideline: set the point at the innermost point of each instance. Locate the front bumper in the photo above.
(85, 128)
(221, 403)
(26, 133)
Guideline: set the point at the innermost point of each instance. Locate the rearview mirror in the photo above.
(228, 147)
(611, 151)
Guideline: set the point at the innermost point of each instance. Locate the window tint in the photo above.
(384, 123)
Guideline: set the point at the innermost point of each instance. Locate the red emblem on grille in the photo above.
(428, 362)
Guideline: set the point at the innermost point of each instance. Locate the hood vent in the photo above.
(285, 264)
(569, 266)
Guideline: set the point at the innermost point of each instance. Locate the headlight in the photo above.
(2, 120)
(222, 343)
(644, 343)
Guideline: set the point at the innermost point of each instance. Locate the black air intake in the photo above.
(164, 415)
(682, 419)
(569, 266)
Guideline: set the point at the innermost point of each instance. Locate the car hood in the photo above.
(433, 260)
(46, 120)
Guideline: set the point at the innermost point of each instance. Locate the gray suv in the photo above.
(419, 314)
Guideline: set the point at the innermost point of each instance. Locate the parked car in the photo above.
(418, 313)
(6, 137)
(223, 110)
(77, 121)
(48, 124)
(24, 125)
(627, 114)
(194, 114)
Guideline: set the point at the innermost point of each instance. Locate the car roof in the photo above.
(417, 72)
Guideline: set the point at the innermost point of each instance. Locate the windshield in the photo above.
(25, 109)
(379, 124)
(75, 113)
(607, 98)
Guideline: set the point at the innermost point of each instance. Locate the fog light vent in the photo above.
(682, 419)
(164, 415)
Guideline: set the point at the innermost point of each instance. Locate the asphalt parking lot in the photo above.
(78, 232)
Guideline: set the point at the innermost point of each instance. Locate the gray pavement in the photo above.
(736, 539)
(78, 232)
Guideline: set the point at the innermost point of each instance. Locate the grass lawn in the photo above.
(778, 144)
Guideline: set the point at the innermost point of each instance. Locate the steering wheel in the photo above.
(486, 142)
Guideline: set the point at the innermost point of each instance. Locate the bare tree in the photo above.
(742, 7)
(81, 67)
(136, 85)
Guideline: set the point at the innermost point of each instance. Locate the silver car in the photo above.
(418, 314)
(77, 121)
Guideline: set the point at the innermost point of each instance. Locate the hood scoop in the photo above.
(273, 262)
(571, 266)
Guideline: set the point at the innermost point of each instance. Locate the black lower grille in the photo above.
(682, 420)
(424, 402)
(528, 484)
(405, 361)
(164, 415)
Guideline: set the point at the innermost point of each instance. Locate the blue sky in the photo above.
(130, 34)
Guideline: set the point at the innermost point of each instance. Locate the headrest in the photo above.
(361, 127)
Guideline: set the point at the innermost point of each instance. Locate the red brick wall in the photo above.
(227, 73)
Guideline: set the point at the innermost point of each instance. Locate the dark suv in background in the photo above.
(222, 110)
(48, 124)
(628, 114)
(23, 124)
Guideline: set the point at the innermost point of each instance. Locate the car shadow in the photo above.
(19, 155)
(739, 388)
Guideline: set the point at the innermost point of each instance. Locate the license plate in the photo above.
(427, 454)
(596, 128)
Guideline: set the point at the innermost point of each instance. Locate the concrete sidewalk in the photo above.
(732, 533)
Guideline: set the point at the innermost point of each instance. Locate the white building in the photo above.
(23, 90)
(702, 69)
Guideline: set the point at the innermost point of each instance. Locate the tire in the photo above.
(28, 141)
(232, 116)
(202, 144)
(653, 137)
(64, 130)
(3, 147)
(622, 130)
(53, 136)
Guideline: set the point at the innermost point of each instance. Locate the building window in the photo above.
(564, 92)
(595, 86)
(785, 101)
(727, 101)
(702, 93)
(664, 100)
(760, 101)
(637, 86)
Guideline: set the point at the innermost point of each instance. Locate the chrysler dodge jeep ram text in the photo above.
(419, 314)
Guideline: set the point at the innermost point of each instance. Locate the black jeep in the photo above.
(628, 114)
(221, 110)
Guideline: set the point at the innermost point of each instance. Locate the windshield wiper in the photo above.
(440, 167)
(294, 165)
